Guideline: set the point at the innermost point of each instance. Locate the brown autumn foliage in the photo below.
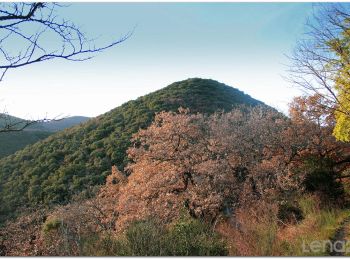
(62, 231)
(314, 121)
(209, 164)
(83, 223)
(22, 237)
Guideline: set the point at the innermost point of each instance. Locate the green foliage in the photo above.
(95, 245)
(14, 141)
(145, 238)
(187, 237)
(11, 142)
(322, 180)
(191, 237)
(51, 224)
(68, 162)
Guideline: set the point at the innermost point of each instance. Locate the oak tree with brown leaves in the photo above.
(209, 165)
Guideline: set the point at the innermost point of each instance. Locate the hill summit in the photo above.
(66, 163)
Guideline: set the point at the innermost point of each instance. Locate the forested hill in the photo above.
(11, 142)
(67, 162)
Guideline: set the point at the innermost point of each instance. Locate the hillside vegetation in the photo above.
(66, 163)
(244, 181)
(13, 141)
(10, 142)
(249, 181)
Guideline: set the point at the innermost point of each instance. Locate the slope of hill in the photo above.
(14, 141)
(70, 161)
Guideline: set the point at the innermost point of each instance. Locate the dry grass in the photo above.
(250, 235)
(253, 232)
(319, 224)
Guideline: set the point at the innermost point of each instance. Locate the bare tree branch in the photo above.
(315, 62)
(24, 32)
(12, 124)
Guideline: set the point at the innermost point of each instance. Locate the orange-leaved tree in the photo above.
(209, 165)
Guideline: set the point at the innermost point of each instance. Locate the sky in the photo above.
(243, 45)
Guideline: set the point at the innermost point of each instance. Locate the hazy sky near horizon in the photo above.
(240, 44)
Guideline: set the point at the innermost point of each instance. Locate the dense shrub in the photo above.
(51, 224)
(96, 245)
(145, 238)
(289, 213)
(191, 237)
(186, 237)
(321, 179)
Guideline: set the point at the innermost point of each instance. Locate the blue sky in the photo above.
(240, 44)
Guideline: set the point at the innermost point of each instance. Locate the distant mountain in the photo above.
(6, 119)
(58, 125)
(14, 141)
(70, 161)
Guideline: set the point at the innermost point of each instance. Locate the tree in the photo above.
(209, 165)
(216, 165)
(24, 32)
(321, 62)
(313, 119)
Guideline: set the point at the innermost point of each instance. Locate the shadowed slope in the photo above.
(11, 142)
